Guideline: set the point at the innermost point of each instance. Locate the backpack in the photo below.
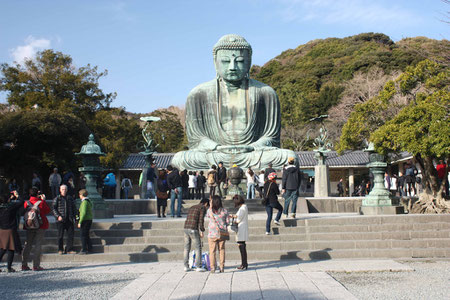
(211, 178)
(32, 217)
(127, 183)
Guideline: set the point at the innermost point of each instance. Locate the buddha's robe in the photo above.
(251, 117)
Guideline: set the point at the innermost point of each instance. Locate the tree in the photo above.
(168, 132)
(52, 81)
(421, 126)
(38, 140)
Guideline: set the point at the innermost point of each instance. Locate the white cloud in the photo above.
(28, 51)
(363, 13)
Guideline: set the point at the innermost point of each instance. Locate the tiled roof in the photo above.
(348, 159)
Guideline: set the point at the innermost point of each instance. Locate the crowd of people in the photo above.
(31, 211)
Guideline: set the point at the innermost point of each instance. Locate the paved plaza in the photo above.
(329, 279)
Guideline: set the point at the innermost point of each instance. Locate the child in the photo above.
(85, 222)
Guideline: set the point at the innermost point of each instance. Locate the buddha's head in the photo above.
(232, 58)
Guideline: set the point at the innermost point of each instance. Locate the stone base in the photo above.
(103, 214)
(382, 210)
(321, 181)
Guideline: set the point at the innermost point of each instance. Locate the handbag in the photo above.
(224, 235)
(234, 226)
(265, 200)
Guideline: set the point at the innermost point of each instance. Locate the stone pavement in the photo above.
(263, 280)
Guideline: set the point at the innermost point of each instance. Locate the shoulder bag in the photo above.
(223, 233)
(265, 200)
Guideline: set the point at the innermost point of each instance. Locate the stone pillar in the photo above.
(321, 181)
(351, 182)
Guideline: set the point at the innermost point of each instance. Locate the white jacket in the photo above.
(242, 220)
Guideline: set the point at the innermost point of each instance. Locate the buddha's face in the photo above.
(232, 65)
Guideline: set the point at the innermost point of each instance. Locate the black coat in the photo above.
(222, 175)
(8, 215)
(272, 191)
(174, 179)
(291, 178)
(64, 207)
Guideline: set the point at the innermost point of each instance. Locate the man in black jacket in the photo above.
(291, 184)
(222, 180)
(176, 190)
(65, 212)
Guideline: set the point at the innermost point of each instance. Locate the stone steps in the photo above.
(313, 237)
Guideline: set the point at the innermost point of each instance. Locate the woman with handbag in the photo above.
(241, 219)
(217, 232)
(271, 200)
(162, 194)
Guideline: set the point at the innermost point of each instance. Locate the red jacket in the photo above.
(43, 210)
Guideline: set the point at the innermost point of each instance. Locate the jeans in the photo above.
(150, 194)
(269, 210)
(190, 235)
(290, 195)
(174, 195)
(251, 191)
(62, 226)
(34, 236)
(55, 190)
(222, 189)
(126, 190)
(86, 244)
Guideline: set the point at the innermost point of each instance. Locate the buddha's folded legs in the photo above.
(258, 159)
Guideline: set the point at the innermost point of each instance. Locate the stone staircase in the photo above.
(311, 237)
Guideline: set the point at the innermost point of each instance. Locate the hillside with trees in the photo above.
(331, 76)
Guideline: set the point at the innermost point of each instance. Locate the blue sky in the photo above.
(157, 51)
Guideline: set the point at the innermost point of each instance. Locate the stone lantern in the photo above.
(235, 175)
(378, 201)
(90, 154)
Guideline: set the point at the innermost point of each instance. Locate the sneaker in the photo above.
(26, 268)
(285, 216)
(179, 216)
(200, 270)
(38, 269)
(60, 252)
(72, 252)
(11, 270)
(293, 216)
(276, 222)
(187, 269)
(268, 233)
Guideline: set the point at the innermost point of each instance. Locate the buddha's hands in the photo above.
(236, 149)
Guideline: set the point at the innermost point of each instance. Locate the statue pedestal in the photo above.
(321, 181)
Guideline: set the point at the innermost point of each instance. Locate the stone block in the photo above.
(381, 210)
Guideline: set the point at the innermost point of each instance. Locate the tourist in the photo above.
(82, 181)
(217, 232)
(387, 181)
(67, 177)
(441, 169)
(268, 170)
(192, 183)
(212, 180)
(260, 183)
(272, 191)
(85, 222)
(162, 194)
(35, 236)
(410, 179)
(201, 181)
(65, 212)
(393, 186)
(54, 181)
(340, 188)
(110, 185)
(241, 218)
(401, 184)
(36, 182)
(193, 231)
(222, 185)
(185, 183)
(126, 186)
(290, 185)
(9, 238)
(71, 188)
(13, 186)
(250, 175)
(176, 190)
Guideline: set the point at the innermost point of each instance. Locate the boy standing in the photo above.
(85, 222)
